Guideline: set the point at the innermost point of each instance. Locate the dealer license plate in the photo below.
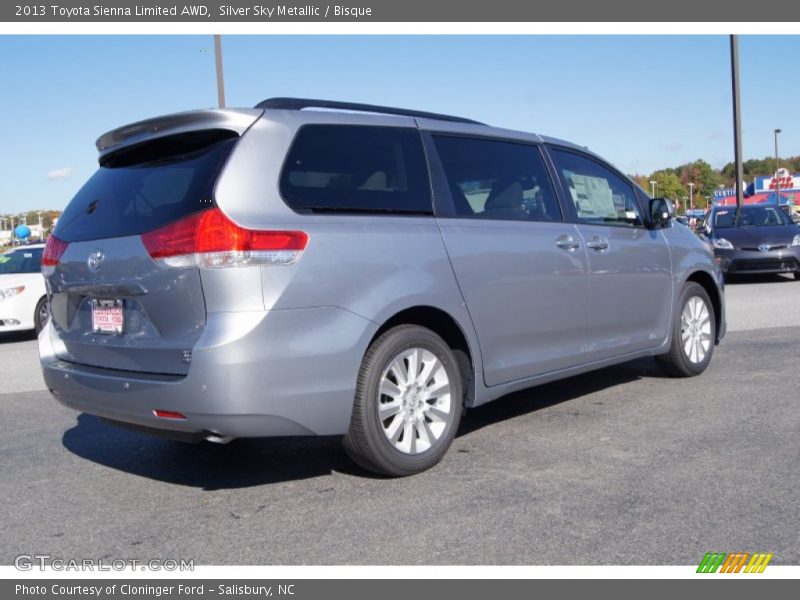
(107, 316)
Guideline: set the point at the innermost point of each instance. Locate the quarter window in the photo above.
(492, 179)
(599, 195)
(357, 169)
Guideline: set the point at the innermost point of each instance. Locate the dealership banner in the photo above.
(729, 587)
(782, 180)
(254, 11)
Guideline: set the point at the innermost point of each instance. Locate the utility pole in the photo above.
(777, 168)
(220, 80)
(691, 198)
(653, 185)
(737, 127)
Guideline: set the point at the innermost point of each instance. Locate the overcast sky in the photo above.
(643, 102)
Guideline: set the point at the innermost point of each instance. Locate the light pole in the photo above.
(691, 200)
(220, 81)
(737, 127)
(653, 186)
(777, 179)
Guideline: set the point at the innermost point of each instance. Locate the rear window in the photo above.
(147, 186)
(356, 169)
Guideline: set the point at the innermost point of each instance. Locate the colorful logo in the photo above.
(734, 562)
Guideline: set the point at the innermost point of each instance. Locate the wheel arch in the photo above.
(707, 282)
(449, 329)
(36, 312)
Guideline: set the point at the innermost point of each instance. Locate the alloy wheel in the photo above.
(695, 329)
(414, 401)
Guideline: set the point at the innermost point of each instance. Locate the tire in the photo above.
(41, 314)
(420, 417)
(678, 361)
(797, 275)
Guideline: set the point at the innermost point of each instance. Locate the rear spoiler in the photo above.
(238, 120)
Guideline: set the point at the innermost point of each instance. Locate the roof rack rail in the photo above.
(301, 103)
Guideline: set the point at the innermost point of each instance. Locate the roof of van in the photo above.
(239, 119)
(447, 122)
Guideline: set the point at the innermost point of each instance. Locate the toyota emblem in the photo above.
(95, 260)
(764, 247)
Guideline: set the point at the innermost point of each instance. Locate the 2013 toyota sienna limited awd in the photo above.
(358, 270)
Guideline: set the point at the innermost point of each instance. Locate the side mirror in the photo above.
(661, 211)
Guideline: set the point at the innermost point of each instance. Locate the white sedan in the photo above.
(23, 296)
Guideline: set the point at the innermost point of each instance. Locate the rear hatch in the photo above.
(114, 304)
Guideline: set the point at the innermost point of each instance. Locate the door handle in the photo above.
(567, 242)
(597, 243)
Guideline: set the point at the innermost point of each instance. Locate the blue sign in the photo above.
(22, 231)
(724, 193)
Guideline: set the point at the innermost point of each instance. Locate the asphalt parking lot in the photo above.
(623, 466)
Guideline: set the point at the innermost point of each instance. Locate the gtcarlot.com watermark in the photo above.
(44, 562)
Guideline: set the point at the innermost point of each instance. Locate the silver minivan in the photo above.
(311, 267)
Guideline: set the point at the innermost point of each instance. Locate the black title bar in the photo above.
(462, 11)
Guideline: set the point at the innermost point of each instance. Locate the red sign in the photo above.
(785, 183)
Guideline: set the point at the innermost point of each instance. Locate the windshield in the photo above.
(752, 216)
(24, 260)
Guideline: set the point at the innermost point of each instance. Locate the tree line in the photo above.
(674, 182)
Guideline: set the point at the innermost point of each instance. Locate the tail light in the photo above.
(53, 251)
(211, 240)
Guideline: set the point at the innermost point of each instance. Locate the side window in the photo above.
(724, 218)
(492, 179)
(355, 168)
(600, 196)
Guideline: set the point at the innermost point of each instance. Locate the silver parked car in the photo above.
(359, 270)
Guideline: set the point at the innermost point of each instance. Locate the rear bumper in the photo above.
(253, 374)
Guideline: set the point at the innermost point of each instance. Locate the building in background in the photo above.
(782, 188)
